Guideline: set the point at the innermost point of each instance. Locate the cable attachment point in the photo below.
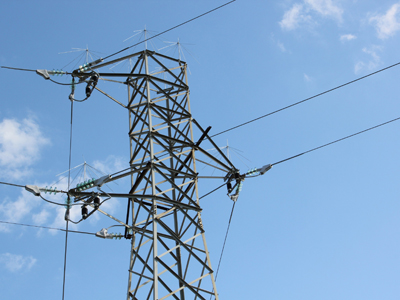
(86, 67)
(233, 173)
(258, 171)
(34, 189)
(67, 207)
(234, 176)
(57, 72)
(95, 199)
(68, 203)
(129, 233)
(72, 95)
(91, 84)
(49, 190)
(238, 186)
(90, 183)
(253, 172)
(46, 73)
(84, 212)
(105, 235)
(264, 169)
(85, 185)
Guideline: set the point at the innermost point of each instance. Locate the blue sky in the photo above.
(322, 226)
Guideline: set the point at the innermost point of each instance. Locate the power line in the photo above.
(281, 161)
(212, 191)
(154, 36)
(336, 141)
(226, 236)
(45, 227)
(60, 204)
(68, 199)
(12, 184)
(307, 99)
(314, 149)
(31, 70)
(292, 157)
(223, 246)
(165, 31)
(18, 69)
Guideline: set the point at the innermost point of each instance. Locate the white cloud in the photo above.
(27, 207)
(347, 37)
(41, 218)
(278, 43)
(293, 17)
(300, 14)
(15, 211)
(4, 227)
(358, 67)
(373, 62)
(111, 164)
(14, 262)
(20, 145)
(387, 25)
(325, 8)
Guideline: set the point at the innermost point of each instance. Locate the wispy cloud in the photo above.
(373, 62)
(28, 208)
(15, 263)
(281, 46)
(278, 43)
(325, 8)
(347, 37)
(307, 78)
(388, 24)
(111, 164)
(17, 210)
(293, 17)
(302, 13)
(20, 145)
(41, 217)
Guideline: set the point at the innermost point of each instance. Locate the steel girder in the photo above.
(169, 256)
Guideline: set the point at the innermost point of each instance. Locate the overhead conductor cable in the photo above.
(307, 99)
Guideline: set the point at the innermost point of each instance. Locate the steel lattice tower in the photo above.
(169, 256)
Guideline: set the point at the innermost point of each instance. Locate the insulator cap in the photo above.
(84, 212)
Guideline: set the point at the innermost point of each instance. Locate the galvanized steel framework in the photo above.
(169, 256)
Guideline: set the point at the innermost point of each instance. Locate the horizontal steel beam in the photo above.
(143, 197)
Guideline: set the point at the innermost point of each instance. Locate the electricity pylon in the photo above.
(169, 256)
